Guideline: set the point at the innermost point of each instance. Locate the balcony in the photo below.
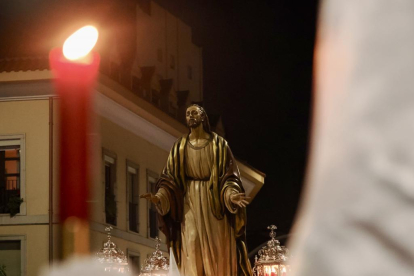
(10, 190)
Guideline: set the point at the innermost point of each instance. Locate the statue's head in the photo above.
(196, 115)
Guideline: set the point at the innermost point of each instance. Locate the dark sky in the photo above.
(257, 74)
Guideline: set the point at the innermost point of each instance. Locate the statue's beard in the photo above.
(193, 123)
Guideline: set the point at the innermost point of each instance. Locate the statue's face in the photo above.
(194, 116)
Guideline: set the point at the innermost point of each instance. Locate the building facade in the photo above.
(137, 110)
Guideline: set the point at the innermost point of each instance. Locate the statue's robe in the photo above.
(205, 230)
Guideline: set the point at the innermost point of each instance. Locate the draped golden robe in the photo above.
(204, 229)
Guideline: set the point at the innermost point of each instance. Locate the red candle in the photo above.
(75, 77)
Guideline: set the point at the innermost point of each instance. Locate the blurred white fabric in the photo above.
(79, 266)
(357, 213)
(173, 265)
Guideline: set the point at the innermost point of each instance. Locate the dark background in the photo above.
(257, 74)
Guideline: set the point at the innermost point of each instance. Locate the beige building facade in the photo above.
(136, 121)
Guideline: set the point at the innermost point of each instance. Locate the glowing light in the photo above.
(271, 270)
(80, 43)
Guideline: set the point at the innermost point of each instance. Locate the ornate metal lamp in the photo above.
(273, 258)
(156, 264)
(113, 259)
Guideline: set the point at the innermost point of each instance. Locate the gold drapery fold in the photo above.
(225, 174)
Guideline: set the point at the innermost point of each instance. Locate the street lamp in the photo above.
(273, 258)
(156, 264)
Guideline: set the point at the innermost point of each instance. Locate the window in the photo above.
(190, 72)
(155, 97)
(136, 86)
(125, 78)
(152, 212)
(134, 262)
(110, 188)
(12, 188)
(172, 62)
(159, 54)
(145, 93)
(133, 196)
(172, 110)
(12, 250)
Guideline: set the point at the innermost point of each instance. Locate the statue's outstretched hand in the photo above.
(154, 199)
(239, 199)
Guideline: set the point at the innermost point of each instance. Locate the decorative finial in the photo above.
(108, 230)
(157, 246)
(112, 257)
(272, 232)
(156, 261)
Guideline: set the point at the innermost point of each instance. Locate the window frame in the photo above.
(23, 248)
(135, 166)
(136, 87)
(150, 174)
(110, 157)
(131, 252)
(18, 139)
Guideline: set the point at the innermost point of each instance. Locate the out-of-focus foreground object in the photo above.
(174, 271)
(75, 69)
(273, 258)
(357, 213)
(79, 266)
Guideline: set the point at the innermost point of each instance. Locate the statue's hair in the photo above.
(206, 122)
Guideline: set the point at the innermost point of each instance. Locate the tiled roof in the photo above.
(24, 64)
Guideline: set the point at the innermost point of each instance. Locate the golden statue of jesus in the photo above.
(201, 203)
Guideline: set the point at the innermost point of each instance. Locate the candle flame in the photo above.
(80, 43)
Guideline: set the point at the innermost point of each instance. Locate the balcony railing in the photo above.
(12, 185)
(5, 195)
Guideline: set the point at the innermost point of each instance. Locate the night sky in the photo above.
(257, 58)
